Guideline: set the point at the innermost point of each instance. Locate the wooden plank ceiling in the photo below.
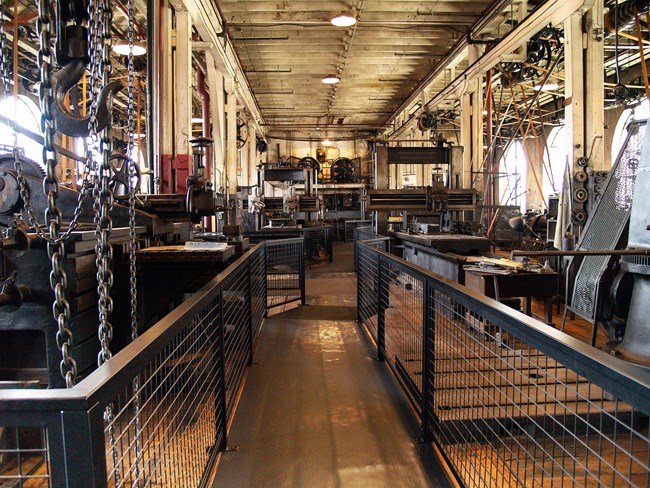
(287, 47)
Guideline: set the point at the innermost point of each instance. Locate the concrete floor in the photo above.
(318, 410)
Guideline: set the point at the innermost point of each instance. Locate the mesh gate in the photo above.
(285, 272)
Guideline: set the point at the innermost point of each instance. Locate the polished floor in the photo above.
(318, 410)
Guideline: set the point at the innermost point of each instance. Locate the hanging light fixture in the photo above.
(331, 80)
(327, 142)
(548, 86)
(344, 19)
(122, 48)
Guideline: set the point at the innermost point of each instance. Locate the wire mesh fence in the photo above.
(510, 401)
(163, 427)
(157, 413)
(285, 272)
(24, 457)
(318, 244)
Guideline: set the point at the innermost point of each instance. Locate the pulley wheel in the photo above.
(620, 294)
(580, 176)
(120, 176)
(343, 170)
(580, 195)
(309, 162)
(579, 217)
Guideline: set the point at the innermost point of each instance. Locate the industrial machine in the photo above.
(292, 204)
(29, 336)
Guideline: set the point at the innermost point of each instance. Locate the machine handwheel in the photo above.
(119, 181)
(343, 170)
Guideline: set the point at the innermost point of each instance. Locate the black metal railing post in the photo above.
(330, 243)
(222, 367)
(249, 301)
(357, 270)
(301, 267)
(85, 448)
(264, 280)
(428, 324)
(381, 313)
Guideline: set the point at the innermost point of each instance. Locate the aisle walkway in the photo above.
(317, 409)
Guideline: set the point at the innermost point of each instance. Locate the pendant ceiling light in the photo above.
(344, 19)
(122, 47)
(331, 80)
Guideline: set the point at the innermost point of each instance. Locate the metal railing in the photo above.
(509, 400)
(317, 240)
(318, 244)
(156, 414)
(368, 235)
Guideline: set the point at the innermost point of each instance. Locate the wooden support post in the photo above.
(594, 92)
(217, 113)
(574, 89)
(231, 140)
(466, 138)
(183, 95)
(381, 183)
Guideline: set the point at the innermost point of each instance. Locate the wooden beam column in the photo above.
(594, 92)
(231, 140)
(574, 89)
(183, 95)
(217, 113)
(477, 150)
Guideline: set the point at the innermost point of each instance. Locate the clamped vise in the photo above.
(72, 56)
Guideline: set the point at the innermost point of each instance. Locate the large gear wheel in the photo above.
(30, 168)
(10, 199)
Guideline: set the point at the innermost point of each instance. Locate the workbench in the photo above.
(525, 284)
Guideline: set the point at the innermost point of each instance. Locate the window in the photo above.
(512, 177)
(555, 160)
(640, 112)
(26, 115)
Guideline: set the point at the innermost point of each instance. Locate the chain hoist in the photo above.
(102, 191)
(55, 247)
(132, 230)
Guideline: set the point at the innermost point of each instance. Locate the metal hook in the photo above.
(75, 125)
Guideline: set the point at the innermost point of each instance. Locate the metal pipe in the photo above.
(153, 17)
(590, 252)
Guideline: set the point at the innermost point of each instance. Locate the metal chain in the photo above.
(99, 149)
(132, 230)
(55, 248)
(104, 204)
(45, 28)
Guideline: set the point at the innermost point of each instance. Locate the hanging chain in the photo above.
(104, 203)
(46, 95)
(97, 157)
(55, 247)
(132, 235)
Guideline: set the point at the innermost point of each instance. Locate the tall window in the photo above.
(27, 115)
(555, 160)
(640, 112)
(512, 178)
